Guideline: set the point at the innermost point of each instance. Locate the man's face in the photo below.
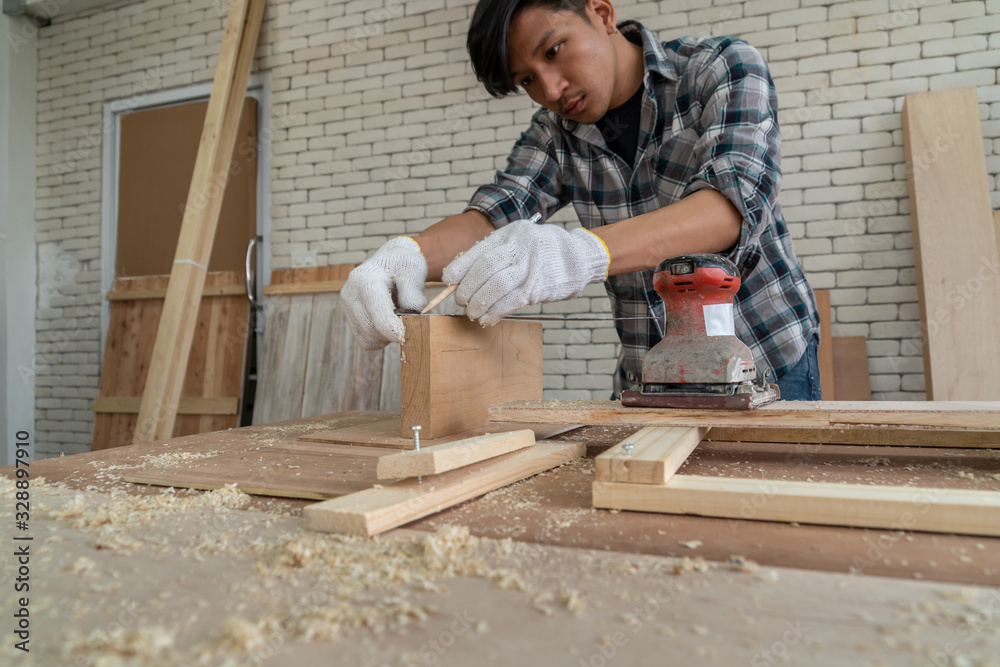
(564, 62)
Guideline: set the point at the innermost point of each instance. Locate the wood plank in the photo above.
(955, 244)
(289, 376)
(376, 510)
(953, 415)
(825, 344)
(385, 433)
(956, 511)
(188, 406)
(321, 386)
(210, 290)
(436, 459)
(850, 369)
(657, 453)
(175, 333)
(267, 402)
(891, 437)
(389, 388)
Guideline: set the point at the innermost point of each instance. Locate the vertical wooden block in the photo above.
(452, 370)
(825, 343)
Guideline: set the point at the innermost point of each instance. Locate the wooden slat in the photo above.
(850, 369)
(187, 406)
(385, 433)
(895, 508)
(825, 344)
(376, 510)
(210, 290)
(657, 453)
(955, 415)
(955, 244)
(436, 459)
(176, 331)
(268, 405)
(861, 436)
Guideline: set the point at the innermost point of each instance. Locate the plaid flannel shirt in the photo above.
(708, 120)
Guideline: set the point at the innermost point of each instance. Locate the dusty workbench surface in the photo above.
(132, 574)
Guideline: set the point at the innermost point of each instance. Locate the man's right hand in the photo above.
(367, 295)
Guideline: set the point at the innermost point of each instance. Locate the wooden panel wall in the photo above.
(215, 367)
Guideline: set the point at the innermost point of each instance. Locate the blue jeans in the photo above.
(801, 382)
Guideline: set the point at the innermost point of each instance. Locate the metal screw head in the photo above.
(416, 437)
(628, 448)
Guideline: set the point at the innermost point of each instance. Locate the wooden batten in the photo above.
(655, 455)
(449, 456)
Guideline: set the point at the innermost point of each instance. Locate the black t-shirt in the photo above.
(620, 127)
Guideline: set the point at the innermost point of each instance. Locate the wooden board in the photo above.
(825, 351)
(955, 415)
(453, 369)
(176, 331)
(895, 508)
(850, 369)
(436, 459)
(376, 510)
(215, 365)
(385, 433)
(657, 453)
(955, 244)
(861, 436)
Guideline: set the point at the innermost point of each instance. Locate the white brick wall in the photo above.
(383, 130)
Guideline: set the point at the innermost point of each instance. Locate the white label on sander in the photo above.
(719, 320)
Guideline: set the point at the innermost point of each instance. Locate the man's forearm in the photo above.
(704, 221)
(443, 241)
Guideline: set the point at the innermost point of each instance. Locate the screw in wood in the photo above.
(628, 448)
(416, 445)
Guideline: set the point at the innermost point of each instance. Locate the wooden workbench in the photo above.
(208, 583)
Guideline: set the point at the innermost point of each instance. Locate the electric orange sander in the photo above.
(700, 363)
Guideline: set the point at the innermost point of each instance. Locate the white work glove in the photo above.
(367, 294)
(525, 263)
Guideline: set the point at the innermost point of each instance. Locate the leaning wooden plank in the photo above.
(892, 437)
(376, 510)
(201, 216)
(825, 343)
(954, 415)
(851, 379)
(936, 510)
(442, 458)
(655, 455)
(954, 243)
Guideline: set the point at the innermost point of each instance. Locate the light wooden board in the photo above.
(453, 369)
(954, 415)
(657, 453)
(176, 330)
(385, 433)
(825, 352)
(378, 509)
(214, 378)
(861, 436)
(436, 459)
(955, 511)
(850, 369)
(955, 244)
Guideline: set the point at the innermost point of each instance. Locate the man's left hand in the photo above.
(525, 263)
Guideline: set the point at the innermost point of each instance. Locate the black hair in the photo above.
(488, 33)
